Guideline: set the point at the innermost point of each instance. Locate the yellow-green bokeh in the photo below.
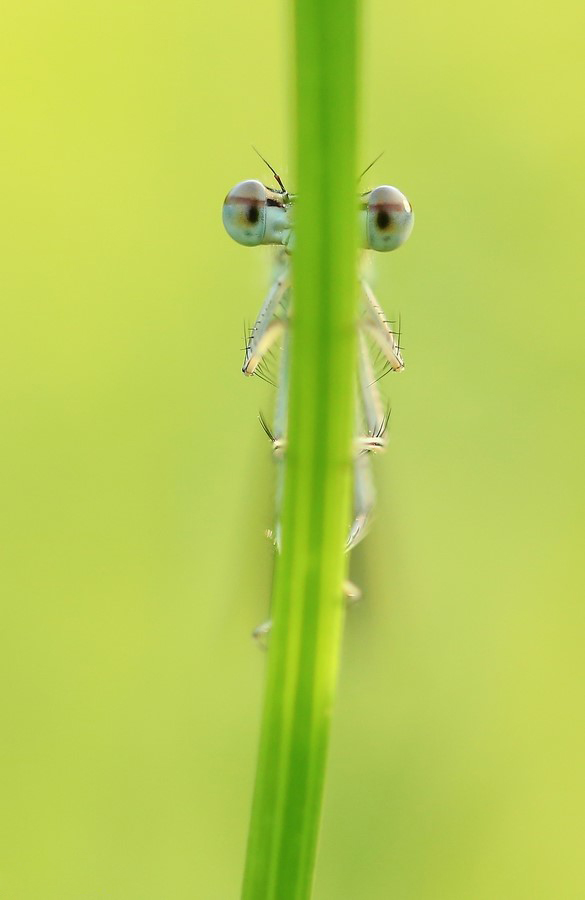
(136, 482)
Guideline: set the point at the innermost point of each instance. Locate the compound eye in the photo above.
(244, 213)
(389, 219)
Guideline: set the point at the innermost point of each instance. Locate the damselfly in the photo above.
(254, 214)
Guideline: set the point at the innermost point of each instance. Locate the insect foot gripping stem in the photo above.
(352, 595)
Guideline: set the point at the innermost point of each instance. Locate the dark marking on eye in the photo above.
(252, 214)
(382, 219)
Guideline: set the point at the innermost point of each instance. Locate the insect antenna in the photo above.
(274, 172)
(367, 169)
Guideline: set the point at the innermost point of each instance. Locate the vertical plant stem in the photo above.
(308, 607)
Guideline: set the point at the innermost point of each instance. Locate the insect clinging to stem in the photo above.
(253, 215)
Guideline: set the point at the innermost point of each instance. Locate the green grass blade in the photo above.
(308, 606)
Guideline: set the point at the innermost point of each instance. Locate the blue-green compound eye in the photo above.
(388, 219)
(244, 213)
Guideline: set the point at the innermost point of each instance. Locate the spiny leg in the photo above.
(369, 408)
(378, 326)
(280, 431)
(278, 437)
(364, 498)
(376, 416)
(373, 419)
(267, 326)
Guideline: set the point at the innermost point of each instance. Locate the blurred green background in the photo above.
(136, 481)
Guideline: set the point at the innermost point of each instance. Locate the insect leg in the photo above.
(280, 431)
(378, 326)
(278, 437)
(371, 410)
(267, 326)
(375, 414)
(364, 498)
